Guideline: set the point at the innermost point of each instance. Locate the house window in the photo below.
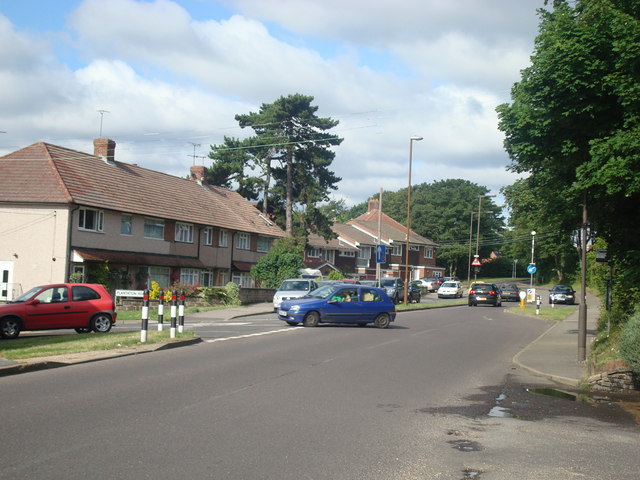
(208, 236)
(224, 238)
(153, 228)
(125, 225)
(160, 275)
(223, 276)
(242, 241)
(414, 248)
(242, 278)
(189, 276)
(396, 250)
(328, 255)
(206, 278)
(91, 220)
(264, 244)
(428, 252)
(347, 253)
(184, 232)
(364, 255)
(314, 252)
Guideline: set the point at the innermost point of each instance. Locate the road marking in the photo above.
(292, 329)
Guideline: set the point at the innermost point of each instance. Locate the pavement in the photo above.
(553, 355)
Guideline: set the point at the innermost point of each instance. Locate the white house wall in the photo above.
(35, 241)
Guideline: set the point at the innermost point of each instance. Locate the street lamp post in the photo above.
(533, 249)
(406, 262)
(480, 197)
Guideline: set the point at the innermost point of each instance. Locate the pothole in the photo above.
(471, 473)
(466, 445)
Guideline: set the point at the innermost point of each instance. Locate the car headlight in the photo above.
(294, 308)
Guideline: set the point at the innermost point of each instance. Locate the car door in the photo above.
(343, 306)
(49, 308)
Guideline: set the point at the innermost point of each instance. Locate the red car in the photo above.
(81, 306)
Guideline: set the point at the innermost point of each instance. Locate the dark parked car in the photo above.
(509, 292)
(83, 307)
(414, 292)
(488, 293)
(356, 304)
(394, 287)
(562, 294)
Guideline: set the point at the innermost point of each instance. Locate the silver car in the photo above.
(293, 288)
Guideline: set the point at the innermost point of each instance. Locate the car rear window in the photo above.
(483, 287)
(84, 293)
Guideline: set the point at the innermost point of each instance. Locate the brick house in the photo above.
(354, 251)
(66, 212)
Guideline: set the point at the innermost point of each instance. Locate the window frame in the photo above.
(243, 241)
(98, 220)
(125, 223)
(207, 236)
(184, 232)
(155, 223)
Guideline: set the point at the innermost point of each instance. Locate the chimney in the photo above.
(374, 204)
(104, 148)
(198, 174)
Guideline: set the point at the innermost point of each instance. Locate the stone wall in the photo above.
(618, 380)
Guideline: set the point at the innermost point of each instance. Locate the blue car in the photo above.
(356, 304)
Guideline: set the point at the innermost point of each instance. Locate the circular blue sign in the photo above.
(531, 269)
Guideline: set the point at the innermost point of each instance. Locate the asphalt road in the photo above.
(434, 396)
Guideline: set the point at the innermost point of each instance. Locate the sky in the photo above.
(165, 79)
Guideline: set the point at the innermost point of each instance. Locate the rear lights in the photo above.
(472, 292)
(491, 292)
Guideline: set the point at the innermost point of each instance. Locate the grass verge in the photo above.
(557, 314)
(30, 347)
(421, 306)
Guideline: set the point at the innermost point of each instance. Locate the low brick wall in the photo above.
(256, 295)
(618, 380)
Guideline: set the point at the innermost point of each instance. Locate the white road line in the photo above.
(295, 329)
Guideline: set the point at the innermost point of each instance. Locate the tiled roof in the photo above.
(45, 173)
(389, 228)
(315, 240)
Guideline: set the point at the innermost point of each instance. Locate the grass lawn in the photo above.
(557, 314)
(29, 347)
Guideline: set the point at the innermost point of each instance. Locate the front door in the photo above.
(6, 278)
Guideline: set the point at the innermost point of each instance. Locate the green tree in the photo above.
(299, 143)
(283, 261)
(441, 211)
(573, 125)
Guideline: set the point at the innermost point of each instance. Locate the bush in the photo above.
(227, 295)
(630, 343)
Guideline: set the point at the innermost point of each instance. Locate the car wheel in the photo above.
(83, 330)
(101, 323)
(382, 320)
(10, 328)
(311, 319)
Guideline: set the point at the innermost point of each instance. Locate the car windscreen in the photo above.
(294, 285)
(449, 285)
(27, 295)
(562, 289)
(388, 282)
(323, 292)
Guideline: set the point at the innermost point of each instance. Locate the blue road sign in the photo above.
(531, 269)
(381, 253)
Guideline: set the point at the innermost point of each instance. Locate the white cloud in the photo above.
(386, 70)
